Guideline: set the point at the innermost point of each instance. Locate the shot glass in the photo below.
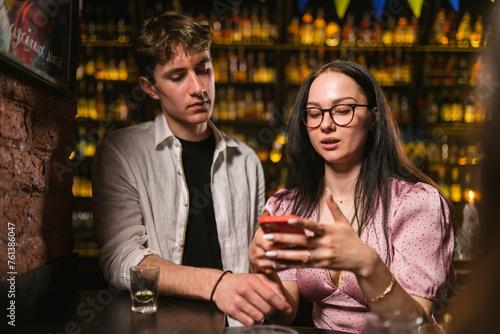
(144, 288)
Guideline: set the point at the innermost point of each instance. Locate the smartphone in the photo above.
(279, 224)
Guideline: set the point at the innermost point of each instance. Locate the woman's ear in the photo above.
(148, 87)
(374, 119)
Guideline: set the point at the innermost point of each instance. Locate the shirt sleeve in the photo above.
(118, 222)
(423, 243)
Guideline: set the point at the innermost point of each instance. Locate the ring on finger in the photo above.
(308, 258)
(274, 264)
(321, 229)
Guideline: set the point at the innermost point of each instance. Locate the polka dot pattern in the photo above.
(421, 245)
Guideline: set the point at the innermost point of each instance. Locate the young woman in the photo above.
(378, 231)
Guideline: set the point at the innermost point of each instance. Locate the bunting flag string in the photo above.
(454, 4)
(416, 7)
(341, 7)
(302, 4)
(379, 6)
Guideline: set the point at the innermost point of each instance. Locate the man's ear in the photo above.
(148, 87)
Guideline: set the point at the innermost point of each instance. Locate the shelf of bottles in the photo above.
(430, 75)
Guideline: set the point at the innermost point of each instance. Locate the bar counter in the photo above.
(108, 311)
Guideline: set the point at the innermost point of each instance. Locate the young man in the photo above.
(178, 193)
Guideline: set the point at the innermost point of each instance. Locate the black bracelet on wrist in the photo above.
(217, 283)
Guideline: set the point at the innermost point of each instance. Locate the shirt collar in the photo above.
(163, 133)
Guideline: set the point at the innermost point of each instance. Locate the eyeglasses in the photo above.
(340, 114)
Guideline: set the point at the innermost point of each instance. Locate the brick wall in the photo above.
(36, 138)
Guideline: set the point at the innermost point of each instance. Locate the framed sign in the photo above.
(39, 38)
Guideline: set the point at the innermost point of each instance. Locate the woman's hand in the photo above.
(333, 246)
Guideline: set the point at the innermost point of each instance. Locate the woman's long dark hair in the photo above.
(384, 157)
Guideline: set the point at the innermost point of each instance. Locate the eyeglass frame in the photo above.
(352, 105)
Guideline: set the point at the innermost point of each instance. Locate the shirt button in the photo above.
(181, 244)
(185, 204)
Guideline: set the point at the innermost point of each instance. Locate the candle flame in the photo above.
(471, 196)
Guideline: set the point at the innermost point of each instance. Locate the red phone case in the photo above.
(279, 224)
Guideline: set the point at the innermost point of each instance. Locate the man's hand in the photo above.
(248, 298)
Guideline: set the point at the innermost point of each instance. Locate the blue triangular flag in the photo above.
(379, 6)
(302, 4)
(454, 4)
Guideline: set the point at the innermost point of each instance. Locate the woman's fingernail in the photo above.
(293, 221)
(329, 191)
(271, 254)
(268, 236)
(282, 266)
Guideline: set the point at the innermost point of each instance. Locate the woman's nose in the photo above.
(327, 122)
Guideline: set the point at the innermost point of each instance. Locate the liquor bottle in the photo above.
(477, 33)
(406, 68)
(470, 110)
(250, 66)
(303, 68)
(450, 71)
(307, 28)
(449, 28)
(293, 31)
(431, 110)
(464, 30)
(216, 27)
(405, 110)
(92, 109)
(237, 35)
(256, 26)
(400, 31)
(476, 71)
(332, 34)
(242, 66)
(249, 112)
(261, 70)
(246, 26)
(259, 104)
(412, 32)
(110, 27)
(445, 188)
(395, 107)
(292, 70)
(266, 32)
(319, 25)
(123, 36)
(89, 65)
(223, 110)
(100, 100)
(455, 187)
(364, 31)
(240, 105)
(122, 69)
(231, 103)
(348, 33)
(388, 33)
(227, 30)
(100, 66)
(233, 66)
(82, 102)
(376, 34)
(438, 27)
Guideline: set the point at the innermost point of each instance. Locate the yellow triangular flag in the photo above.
(341, 7)
(416, 7)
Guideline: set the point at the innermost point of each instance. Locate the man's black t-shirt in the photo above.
(201, 246)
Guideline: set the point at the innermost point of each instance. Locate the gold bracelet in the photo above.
(383, 294)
